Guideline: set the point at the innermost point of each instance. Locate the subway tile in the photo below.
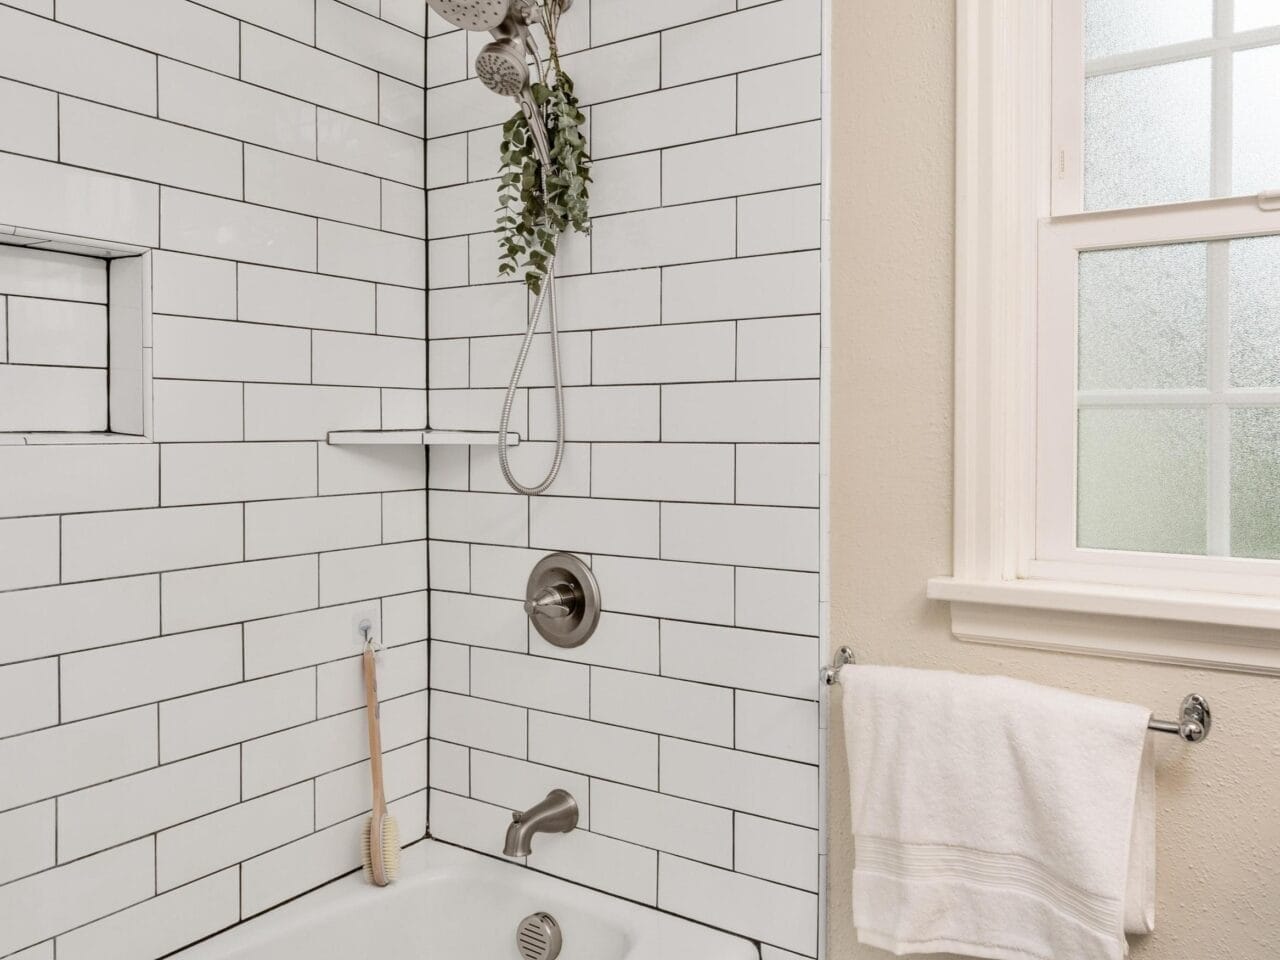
(463, 209)
(293, 299)
(349, 251)
(626, 183)
(28, 697)
(780, 537)
(784, 475)
(80, 203)
(404, 516)
(677, 708)
(531, 682)
(625, 527)
(240, 591)
(617, 19)
(122, 142)
(111, 813)
(157, 927)
(37, 908)
(667, 354)
(27, 836)
(774, 286)
(682, 827)
(79, 617)
(448, 364)
(518, 784)
(367, 40)
(101, 681)
(777, 726)
(457, 107)
(300, 70)
(777, 600)
(623, 869)
(632, 298)
(65, 758)
(402, 312)
(201, 847)
(58, 276)
(293, 18)
(53, 399)
(193, 286)
(450, 767)
(405, 618)
(776, 851)
(501, 571)
(450, 565)
(404, 409)
(495, 727)
(778, 789)
(448, 262)
(348, 575)
(777, 95)
(756, 37)
(780, 222)
(195, 223)
(344, 793)
(761, 910)
(689, 591)
(297, 640)
(779, 349)
(228, 472)
(493, 358)
(613, 414)
(402, 670)
(479, 517)
(595, 749)
(651, 238)
(207, 101)
(532, 460)
(479, 621)
(404, 209)
(274, 411)
(620, 641)
(282, 528)
(359, 360)
(218, 718)
(368, 470)
(282, 180)
(401, 106)
(56, 332)
(447, 161)
(28, 120)
(781, 158)
(303, 752)
(751, 412)
(667, 471)
(663, 118)
(100, 545)
(615, 71)
(478, 311)
(366, 147)
(29, 555)
(470, 823)
(447, 60)
(181, 30)
(780, 663)
(406, 13)
(58, 57)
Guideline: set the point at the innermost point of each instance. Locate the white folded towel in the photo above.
(997, 818)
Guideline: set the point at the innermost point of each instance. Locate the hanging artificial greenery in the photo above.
(531, 219)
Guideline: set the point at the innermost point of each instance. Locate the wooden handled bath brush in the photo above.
(381, 832)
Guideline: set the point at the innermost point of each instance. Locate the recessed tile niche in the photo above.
(73, 339)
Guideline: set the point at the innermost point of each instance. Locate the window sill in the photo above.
(1218, 630)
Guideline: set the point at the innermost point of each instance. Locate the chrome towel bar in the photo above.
(1193, 727)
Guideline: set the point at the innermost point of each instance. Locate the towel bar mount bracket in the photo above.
(1192, 726)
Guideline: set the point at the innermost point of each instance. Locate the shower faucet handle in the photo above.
(554, 602)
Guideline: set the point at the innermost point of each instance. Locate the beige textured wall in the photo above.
(1219, 804)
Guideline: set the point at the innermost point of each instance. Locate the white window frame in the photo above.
(1018, 577)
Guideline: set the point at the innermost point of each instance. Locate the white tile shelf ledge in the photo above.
(430, 438)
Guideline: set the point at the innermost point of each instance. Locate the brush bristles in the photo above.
(388, 844)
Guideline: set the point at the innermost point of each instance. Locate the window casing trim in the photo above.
(1001, 591)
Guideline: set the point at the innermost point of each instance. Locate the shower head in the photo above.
(473, 14)
(503, 68)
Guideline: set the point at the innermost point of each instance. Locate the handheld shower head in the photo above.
(503, 68)
(473, 14)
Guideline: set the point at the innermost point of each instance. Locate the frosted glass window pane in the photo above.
(1121, 26)
(1147, 136)
(1255, 312)
(1255, 483)
(1251, 14)
(1255, 163)
(1144, 318)
(1143, 479)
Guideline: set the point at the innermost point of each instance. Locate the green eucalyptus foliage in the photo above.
(531, 220)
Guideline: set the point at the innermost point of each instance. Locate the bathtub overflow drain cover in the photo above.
(538, 937)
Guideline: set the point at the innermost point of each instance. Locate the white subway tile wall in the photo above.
(687, 727)
(182, 736)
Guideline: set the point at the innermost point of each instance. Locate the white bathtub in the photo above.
(451, 904)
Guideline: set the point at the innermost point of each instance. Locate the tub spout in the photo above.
(558, 813)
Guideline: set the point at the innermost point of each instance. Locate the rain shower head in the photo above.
(473, 14)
